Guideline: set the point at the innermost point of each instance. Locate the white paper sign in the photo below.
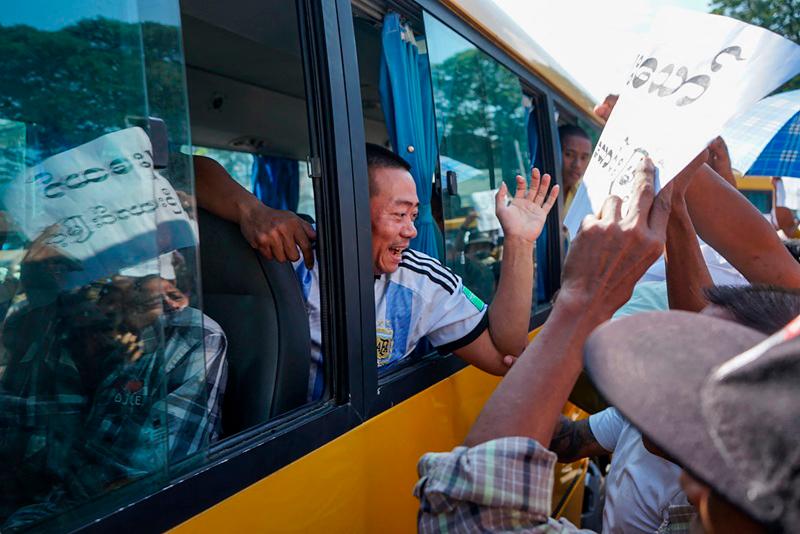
(483, 202)
(701, 70)
(110, 208)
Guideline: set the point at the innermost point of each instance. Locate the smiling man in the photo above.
(415, 295)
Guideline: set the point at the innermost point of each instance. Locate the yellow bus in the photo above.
(154, 368)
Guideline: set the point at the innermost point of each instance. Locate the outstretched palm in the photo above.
(524, 216)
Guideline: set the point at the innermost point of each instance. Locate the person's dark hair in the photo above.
(379, 157)
(572, 130)
(761, 307)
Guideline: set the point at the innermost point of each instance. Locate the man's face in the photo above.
(575, 154)
(393, 208)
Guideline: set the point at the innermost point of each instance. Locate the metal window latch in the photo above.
(314, 166)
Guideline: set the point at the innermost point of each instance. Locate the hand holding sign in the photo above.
(699, 72)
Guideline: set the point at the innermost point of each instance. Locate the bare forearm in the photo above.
(541, 379)
(217, 192)
(727, 221)
(687, 274)
(574, 440)
(510, 311)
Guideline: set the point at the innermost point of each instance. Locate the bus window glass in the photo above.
(111, 377)
(249, 111)
(481, 124)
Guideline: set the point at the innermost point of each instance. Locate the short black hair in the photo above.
(572, 130)
(378, 156)
(761, 307)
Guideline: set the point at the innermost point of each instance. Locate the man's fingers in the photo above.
(309, 230)
(643, 191)
(536, 179)
(278, 253)
(551, 199)
(611, 209)
(605, 108)
(659, 213)
(522, 187)
(509, 360)
(500, 198)
(541, 194)
(305, 248)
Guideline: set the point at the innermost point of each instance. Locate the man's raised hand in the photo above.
(525, 215)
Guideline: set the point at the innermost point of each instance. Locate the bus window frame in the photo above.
(337, 138)
(410, 379)
(243, 460)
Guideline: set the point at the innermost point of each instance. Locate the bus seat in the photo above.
(259, 305)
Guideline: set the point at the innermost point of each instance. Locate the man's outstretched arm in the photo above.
(277, 234)
(607, 257)
(522, 220)
(728, 222)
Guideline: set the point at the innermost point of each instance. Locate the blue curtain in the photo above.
(276, 182)
(407, 100)
(542, 276)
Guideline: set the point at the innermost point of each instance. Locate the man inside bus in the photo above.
(415, 295)
(576, 150)
(502, 477)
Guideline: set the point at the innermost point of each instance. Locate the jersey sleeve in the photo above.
(607, 427)
(458, 317)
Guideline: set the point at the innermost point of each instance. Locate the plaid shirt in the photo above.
(74, 429)
(504, 485)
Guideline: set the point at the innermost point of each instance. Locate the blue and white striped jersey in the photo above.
(423, 298)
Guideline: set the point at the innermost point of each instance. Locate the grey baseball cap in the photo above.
(719, 398)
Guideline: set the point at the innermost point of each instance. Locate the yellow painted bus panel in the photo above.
(363, 480)
(350, 484)
(754, 183)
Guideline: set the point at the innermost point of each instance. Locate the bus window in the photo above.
(481, 122)
(247, 100)
(110, 374)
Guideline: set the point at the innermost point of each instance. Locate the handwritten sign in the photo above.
(105, 204)
(700, 71)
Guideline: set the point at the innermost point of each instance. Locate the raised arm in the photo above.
(607, 257)
(687, 273)
(728, 222)
(276, 234)
(522, 220)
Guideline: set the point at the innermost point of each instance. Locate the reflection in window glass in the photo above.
(109, 372)
(481, 124)
(238, 164)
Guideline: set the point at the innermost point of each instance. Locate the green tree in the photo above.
(781, 17)
(480, 115)
(74, 84)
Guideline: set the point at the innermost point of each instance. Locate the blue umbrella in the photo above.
(765, 139)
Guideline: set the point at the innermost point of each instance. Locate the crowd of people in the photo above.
(731, 289)
(681, 319)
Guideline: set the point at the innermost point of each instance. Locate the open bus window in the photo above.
(247, 99)
(111, 376)
(478, 140)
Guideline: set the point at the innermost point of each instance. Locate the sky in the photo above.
(594, 41)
